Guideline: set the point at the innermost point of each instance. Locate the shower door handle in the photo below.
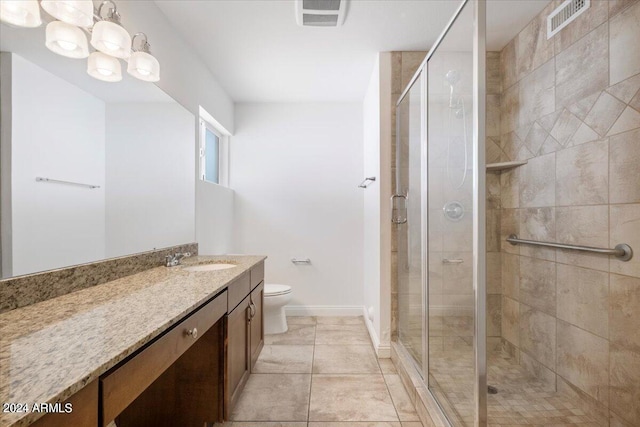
(398, 219)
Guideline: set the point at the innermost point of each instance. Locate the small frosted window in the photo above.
(211, 157)
(212, 160)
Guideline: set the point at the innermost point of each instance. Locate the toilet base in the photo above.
(275, 320)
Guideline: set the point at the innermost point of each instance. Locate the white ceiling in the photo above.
(259, 54)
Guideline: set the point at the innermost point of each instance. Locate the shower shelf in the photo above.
(499, 167)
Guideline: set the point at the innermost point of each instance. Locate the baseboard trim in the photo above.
(323, 310)
(383, 351)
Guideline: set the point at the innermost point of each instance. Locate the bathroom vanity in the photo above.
(164, 347)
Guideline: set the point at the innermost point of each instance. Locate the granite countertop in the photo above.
(52, 349)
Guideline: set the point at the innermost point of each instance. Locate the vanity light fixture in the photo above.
(143, 65)
(74, 12)
(104, 67)
(66, 36)
(66, 40)
(20, 13)
(108, 36)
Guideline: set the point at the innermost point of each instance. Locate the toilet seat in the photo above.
(272, 290)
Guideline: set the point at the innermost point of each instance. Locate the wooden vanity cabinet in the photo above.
(237, 361)
(176, 380)
(84, 414)
(245, 338)
(192, 375)
(256, 323)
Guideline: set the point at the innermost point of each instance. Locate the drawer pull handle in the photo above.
(193, 333)
(252, 308)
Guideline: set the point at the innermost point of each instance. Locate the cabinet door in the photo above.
(257, 322)
(84, 413)
(237, 354)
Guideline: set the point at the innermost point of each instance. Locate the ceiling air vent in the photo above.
(564, 14)
(320, 13)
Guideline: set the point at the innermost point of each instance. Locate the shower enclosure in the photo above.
(439, 216)
(523, 311)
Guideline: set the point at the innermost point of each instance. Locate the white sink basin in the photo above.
(209, 267)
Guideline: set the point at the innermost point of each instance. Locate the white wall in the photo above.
(376, 109)
(371, 208)
(183, 73)
(188, 80)
(150, 177)
(296, 169)
(214, 219)
(57, 131)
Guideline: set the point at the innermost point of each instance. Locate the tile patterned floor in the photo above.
(521, 399)
(323, 373)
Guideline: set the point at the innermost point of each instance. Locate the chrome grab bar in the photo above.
(301, 261)
(622, 251)
(398, 220)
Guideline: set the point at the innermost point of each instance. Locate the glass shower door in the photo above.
(440, 226)
(450, 165)
(409, 222)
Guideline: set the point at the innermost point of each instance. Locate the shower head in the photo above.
(452, 77)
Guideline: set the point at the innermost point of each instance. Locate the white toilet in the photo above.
(275, 298)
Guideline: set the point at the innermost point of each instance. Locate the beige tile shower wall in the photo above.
(494, 201)
(571, 107)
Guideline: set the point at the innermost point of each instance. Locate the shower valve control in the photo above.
(454, 211)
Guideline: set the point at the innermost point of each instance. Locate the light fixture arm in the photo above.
(144, 47)
(112, 15)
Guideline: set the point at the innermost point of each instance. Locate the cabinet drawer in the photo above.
(238, 290)
(257, 275)
(127, 382)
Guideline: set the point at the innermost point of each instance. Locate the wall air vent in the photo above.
(320, 13)
(564, 14)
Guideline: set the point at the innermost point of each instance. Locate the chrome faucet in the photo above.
(173, 260)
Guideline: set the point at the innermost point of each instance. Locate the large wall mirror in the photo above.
(89, 170)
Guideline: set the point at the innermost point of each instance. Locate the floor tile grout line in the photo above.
(395, 408)
(378, 371)
(313, 357)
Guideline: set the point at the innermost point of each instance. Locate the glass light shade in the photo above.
(144, 66)
(21, 13)
(104, 67)
(66, 40)
(110, 38)
(74, 12)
